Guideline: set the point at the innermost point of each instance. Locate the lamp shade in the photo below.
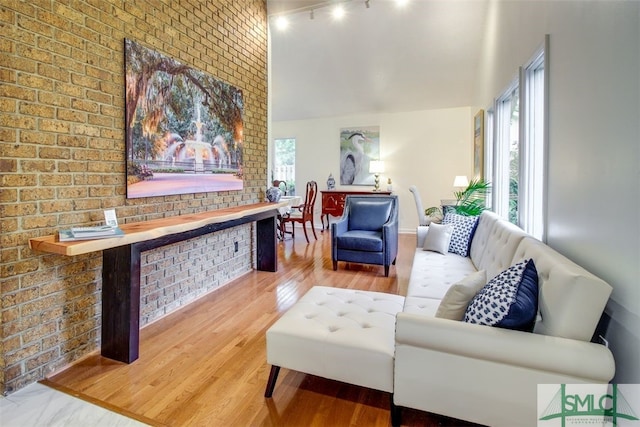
(376, 166)
(461, 181)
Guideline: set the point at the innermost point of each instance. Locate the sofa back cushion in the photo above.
(570, 300)
(494, 244)
(369, 215)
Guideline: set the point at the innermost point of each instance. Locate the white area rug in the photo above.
(39, 405)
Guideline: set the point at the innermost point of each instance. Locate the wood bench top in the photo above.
(148, 230)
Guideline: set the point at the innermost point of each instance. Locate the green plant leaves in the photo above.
(470, 201)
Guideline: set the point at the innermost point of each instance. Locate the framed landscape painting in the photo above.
(184, 128)
(358, 146)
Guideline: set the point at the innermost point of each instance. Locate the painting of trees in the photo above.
(179, 119)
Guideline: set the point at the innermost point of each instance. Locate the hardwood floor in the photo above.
(205, 365)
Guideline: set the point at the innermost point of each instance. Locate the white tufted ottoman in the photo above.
(339, 334)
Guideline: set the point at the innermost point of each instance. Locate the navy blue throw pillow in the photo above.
(523, 311)
(509, 300)
(464, 227)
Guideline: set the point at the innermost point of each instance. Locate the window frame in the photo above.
(532, 86)
(502, 131)
(534, 143)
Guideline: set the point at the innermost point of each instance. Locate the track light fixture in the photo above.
(282, 23)
(338, 10)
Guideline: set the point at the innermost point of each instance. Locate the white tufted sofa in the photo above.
(477, 373)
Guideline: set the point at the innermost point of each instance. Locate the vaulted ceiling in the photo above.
(381, 58)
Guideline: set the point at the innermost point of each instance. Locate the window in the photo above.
(532, 177)
(284, 162)
(488, 152)
(507, 154)
(519, 152)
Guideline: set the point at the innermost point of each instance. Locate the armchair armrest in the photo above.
(340, 226)
(337, 228)
(580, 359)
(390, 236)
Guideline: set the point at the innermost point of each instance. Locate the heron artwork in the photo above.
(356, 149)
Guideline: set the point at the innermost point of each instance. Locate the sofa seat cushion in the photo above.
(432, 274)
(422, 306)
(360, 240)
(341, 334)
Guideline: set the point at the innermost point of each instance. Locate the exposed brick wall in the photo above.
(62, 162)
(174, 275)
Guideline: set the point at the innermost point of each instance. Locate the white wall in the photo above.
(594, 139)
(426, 148)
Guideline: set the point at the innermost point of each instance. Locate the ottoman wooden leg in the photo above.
(271, 383)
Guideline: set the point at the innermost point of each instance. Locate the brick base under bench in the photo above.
(121, 263)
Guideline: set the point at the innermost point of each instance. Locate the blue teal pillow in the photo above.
(509, 300)
(464, 227)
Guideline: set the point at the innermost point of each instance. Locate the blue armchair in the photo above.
(367, 233)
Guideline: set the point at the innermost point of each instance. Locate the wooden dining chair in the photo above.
(302, 213)
(282, 185)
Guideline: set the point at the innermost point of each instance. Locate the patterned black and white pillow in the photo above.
(463, 229)
(509, 300)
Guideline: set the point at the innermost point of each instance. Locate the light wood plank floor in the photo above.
(205, 365)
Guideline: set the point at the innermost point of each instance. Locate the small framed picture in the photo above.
(110, 218)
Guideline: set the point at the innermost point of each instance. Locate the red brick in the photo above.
(31, 194)
(55, 180)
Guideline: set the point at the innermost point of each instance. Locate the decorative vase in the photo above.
(331, 182)
(274, 194)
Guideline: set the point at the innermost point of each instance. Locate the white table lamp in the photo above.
(461, 181)
(376, 167)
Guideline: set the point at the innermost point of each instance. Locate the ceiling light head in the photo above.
(282, 23)
(338, 12)
(366, 3)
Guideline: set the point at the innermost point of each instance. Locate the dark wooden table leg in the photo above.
(266, 245)
(121, 303)
(322, 216)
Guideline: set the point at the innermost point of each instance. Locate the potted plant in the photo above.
(469, 202)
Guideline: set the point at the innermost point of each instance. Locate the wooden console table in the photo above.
(333, 202)
(121, 263)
